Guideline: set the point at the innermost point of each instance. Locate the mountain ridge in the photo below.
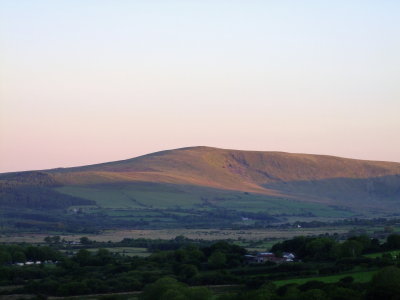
(205, 177)
(249, 170)
(255, 166)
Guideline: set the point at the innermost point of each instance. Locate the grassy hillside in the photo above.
(201, 183)
(307, 178)
(227, 169)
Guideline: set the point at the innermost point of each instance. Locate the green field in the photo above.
(379, 254)
(358, 277)
(133, 198)
(141, 197)
(276, 206)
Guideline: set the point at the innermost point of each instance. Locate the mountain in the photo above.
(190, 181)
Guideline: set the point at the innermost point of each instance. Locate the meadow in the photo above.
(195, 234)
(380, 254)
(360, 276)
(140, 196)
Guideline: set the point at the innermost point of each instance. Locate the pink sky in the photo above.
(88, 82)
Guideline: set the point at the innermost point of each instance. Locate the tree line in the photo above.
(183, 272)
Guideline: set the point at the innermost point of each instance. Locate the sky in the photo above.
(85, 82)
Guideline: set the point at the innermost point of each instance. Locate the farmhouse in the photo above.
(262, 257)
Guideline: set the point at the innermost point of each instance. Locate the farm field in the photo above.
(133, 198)
(141, 197)
(166, 234)
(363, 276)
(380, 254)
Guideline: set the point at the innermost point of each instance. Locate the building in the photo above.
(263, 257)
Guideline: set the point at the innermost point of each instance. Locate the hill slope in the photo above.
(204, 178)
(226, 169)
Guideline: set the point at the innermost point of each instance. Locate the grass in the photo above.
(258, 246)
(379, 254)
(363, 276)
(163, 200)
(119, 296)
(106, 198)
(166, 234)
(273, 206)
(133, 198)
(139, 197)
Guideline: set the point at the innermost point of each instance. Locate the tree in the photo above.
(291, 292)
(296, 245)
(217, 260)
(341, 293)
(52, 239)
(385, 284)
(320, 248)
(72, 288)
(156, 290)
(351, 248)
(168, 288)
(364, 240)
(393, 242)
(19, 257)
(314, 294)
(83, 257)
(85, 240)
(188, 271)
(103, 256)
(5, 257)
(198, 293)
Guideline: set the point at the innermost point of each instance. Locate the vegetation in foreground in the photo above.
(323, 269)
